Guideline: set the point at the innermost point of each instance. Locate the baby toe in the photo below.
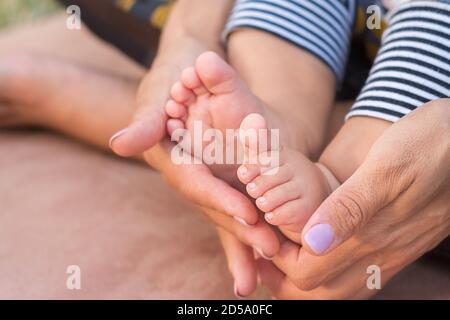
(246, 173)
(263, 183)
(291, 213)
(181, 94)
(173, 125)
(278, 196)
(191, 80)
(252, 168)
(175, 109)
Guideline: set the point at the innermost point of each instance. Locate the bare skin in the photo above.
(289, 191)
(391, 211)
(151, 95)
(212, 93)
(148, 126)
(27, 103)
(414, 275)
(97, 126)
(133, 240)
(306, 101)
(31, 94)
(50, 114)
(87, 138)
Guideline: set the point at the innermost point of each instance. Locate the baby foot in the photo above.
(289, 190)
(211, 92)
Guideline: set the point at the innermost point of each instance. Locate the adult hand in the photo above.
(391, 211)
(185, 37)
(225, 206)
(193, 27)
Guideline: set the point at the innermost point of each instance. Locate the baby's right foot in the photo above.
(288, 192)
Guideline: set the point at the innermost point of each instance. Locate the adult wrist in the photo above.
(349, 148)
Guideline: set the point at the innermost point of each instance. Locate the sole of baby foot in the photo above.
(211, 92)
(210, 95)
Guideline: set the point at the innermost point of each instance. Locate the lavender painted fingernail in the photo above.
(116, 135)
(320, 237)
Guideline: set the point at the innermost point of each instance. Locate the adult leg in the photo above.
(78, 101)
(118, 221)
(57, 87)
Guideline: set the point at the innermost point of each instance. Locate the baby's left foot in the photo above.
(212, 94)
(288, 190)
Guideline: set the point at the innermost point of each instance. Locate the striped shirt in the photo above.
(411, 67)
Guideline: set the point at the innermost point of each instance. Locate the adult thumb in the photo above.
(351, 206)
(142, 134)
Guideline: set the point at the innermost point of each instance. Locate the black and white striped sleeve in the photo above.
(321, 27)
(412, 66)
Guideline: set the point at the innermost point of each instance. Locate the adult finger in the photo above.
(148, 127)
(196, 183)
(394, 164)
(261, 237)
(352, 205)
(240, 262)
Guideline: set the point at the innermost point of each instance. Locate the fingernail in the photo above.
(251, 186)
(243, 171)
(116, 135)
(242, 221)
(261, 253)
(268, 216)
(236, 292)
(320, 237)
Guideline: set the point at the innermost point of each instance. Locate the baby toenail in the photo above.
(261, 200)
(251, 186)
(268, 216)
(243, 171)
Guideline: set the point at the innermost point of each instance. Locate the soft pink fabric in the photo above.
(65, 204)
